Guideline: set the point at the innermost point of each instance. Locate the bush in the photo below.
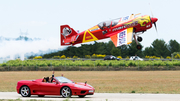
(177, 56)
(56, 57)
(37, 57)
(87, 64)
(75, 57)
(168, 57)
(94, 56)
(127, 57)
(119, 57)
(133, 91)
(63, 57)
(4, 64)
(87, 56)
(98, 56)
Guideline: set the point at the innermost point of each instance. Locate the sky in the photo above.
(42, 18)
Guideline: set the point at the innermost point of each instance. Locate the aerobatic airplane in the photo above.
(121, 31)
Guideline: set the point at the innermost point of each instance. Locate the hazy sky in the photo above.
(42, 18)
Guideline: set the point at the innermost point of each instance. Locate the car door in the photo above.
(34, 86)
(50, 88)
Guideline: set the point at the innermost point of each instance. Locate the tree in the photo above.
(101, 48)
(133, 50)
(148, 51)
(173, 46)
(85, 49)
(116, 51)
(71, 51)
(94, 47)
(160, 48)
(109, 46)
(124, 50)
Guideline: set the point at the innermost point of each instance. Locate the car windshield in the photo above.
(63, 79)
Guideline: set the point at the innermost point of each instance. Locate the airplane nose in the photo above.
(154, 20)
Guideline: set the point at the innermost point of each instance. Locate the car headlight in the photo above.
(91, 91)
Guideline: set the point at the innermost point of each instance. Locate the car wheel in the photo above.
(25, 91)
(40, 95)
(81, 96)
(66, 92)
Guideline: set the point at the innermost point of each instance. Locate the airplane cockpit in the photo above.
(108, 24)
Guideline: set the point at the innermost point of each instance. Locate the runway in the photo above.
(99, 97)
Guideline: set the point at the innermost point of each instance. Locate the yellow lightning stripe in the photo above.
(84, 37)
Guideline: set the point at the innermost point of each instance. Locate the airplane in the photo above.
(121, 31)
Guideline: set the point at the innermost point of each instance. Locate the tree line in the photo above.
(158, 48)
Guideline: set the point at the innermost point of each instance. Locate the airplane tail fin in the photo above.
(68, 35)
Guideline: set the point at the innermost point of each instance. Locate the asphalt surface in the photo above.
(99, 97)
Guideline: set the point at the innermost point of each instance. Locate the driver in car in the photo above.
(49, 79)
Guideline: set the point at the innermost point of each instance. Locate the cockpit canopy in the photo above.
(108, 24)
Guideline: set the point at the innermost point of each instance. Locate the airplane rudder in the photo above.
(63, 33)
(66, 32)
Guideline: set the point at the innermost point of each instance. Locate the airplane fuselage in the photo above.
(139, 24)
(121, 29)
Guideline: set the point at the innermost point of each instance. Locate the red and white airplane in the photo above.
(121, 31)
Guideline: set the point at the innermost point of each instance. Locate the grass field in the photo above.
(105, 81)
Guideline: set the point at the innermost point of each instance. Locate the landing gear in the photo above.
(138, 47)
(139, 39)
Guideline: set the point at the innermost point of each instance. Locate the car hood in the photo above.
(83, 85)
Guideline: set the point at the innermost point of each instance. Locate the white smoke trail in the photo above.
(12, 48)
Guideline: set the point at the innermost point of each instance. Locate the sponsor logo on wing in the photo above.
(122, 38)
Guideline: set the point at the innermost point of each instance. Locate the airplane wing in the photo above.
(123, 38)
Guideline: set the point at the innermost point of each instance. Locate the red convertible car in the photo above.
(59, 86)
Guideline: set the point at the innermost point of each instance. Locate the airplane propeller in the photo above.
(155, 26)
(153, 20)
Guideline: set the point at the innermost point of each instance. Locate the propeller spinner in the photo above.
(154, 22)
